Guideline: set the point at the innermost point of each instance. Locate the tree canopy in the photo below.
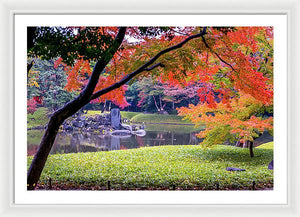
(229, 68)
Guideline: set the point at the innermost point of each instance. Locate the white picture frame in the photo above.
(9, 9)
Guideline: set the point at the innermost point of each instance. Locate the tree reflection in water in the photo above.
(92, 142)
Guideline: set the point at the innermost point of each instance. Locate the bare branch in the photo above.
(59, 116)
(146, 65)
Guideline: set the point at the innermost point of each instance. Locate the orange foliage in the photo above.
(238, 117)
(229, 66)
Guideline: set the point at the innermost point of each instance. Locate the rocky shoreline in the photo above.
(93, 124)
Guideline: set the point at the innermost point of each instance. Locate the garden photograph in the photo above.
(150, 108)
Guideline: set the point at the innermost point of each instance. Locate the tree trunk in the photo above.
(251, 148)
(155, 103)
(69, 109)
(160, 104)
(104, 107)
(238, 144)
(46, 144)
(109, 106)
(41, 156)
(85, 97)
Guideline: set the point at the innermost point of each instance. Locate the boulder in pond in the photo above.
(115, 118)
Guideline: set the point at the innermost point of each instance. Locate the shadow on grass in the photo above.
(232, 154)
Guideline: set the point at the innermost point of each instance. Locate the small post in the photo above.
(108, 185)
(50, 183)
(218, 186)
(174, 187)
(253, 185)
(251, 148)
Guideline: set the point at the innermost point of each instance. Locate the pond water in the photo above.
(156, 135)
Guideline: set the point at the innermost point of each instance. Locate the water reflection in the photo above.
(92, 142)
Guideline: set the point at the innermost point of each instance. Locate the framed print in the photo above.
(215, 183)
(102, 86)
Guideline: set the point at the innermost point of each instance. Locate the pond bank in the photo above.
(93, 120)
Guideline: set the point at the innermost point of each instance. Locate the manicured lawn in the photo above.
(38, 118)
(92, 112)
(147, 118)
(129, 115)
(165, 167)
(157, 118)
(269, 145)
(173, 128)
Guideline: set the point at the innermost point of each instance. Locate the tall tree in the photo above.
(245, 88)
(151, 94)
(48, 87)
(84, 41)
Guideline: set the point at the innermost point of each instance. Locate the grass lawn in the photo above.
(38, 118)
(129, 115)
(92, 113)
(147, 118)
(165, 167)
(158, 118)
(269, 145)
(173, 128)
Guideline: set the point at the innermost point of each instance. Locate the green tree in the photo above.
(50, 85)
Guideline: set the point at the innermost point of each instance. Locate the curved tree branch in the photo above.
(154, 66)
(66, 111)
(101, 64)
(146, 65)
(228, 64)
(85, 95)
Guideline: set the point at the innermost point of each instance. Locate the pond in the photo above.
(156, 135)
